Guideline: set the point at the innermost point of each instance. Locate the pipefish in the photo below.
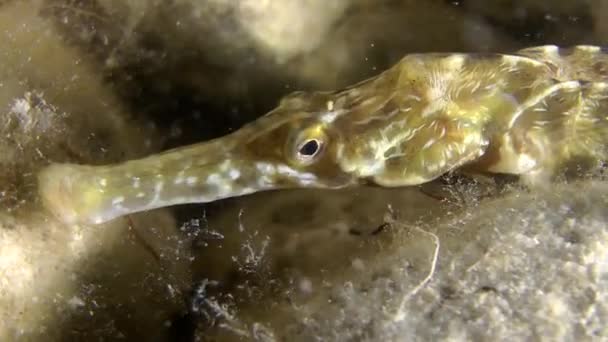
(529, 113)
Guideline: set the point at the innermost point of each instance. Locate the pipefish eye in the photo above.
(308, 146)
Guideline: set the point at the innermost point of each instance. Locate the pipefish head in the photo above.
(293, 146)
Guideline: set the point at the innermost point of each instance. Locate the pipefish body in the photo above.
(529, 113)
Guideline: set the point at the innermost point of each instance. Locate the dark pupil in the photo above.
(309, 148)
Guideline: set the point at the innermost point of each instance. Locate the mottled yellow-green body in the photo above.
(530, 114)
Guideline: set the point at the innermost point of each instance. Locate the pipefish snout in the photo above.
(528, 113)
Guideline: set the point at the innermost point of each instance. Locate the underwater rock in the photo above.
(522, 266)
(61, 282)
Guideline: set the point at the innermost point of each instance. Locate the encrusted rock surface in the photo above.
(61, 282)
(519, 267)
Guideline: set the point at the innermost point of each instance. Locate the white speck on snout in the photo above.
(158, 188)
(180, 178)
(225, 165)
(103, 182)
(118, 200)
(305, 178)
(191, 180)
(225, 189)
(264, 182)
(140, 194)
(136, 182)
(287, 171)
(234, 174)
(265, 168)
(247, 190)
(214, 179)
